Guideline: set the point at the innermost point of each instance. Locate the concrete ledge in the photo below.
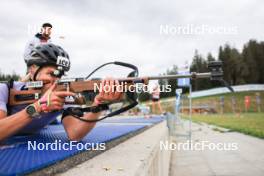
(71, 162)
(138, 156)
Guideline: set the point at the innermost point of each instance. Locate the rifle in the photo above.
(85, 89)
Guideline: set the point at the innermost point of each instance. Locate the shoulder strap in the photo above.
(10, 85)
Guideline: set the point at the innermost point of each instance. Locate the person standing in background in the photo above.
(155, 99)
(41, 37)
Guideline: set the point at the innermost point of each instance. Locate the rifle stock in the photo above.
(26, 96)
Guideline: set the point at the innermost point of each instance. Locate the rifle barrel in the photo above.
(193, 75)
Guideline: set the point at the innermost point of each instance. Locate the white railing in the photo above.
(241, 88)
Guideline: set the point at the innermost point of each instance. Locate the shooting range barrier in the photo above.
(220, 100)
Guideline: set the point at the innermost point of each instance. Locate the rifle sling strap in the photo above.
(78, 112)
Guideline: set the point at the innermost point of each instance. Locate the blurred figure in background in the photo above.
(42, 37)
(155, 100)
(258, 102)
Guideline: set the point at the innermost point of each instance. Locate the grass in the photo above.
(248, 123)
(251, 123)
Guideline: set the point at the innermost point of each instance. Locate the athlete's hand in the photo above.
(110, 90)
(52, 99)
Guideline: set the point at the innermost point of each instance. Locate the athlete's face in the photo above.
(46, 75)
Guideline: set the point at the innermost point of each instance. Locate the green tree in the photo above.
(233, 65)
(7, 77)
(253, 56)
(199, 64)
